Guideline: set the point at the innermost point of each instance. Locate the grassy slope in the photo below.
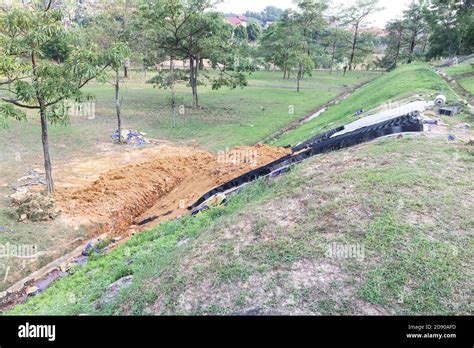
(267, 249)
(460, 69)
(468, 84)
(230, 117)
(406, 80)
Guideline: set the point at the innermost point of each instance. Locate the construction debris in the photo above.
(448, 111)
(440, 100)
(33, 207)
(130, 136)
(428, 120)
(464, 126)
(32, 180)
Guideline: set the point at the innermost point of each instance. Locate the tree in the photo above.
(308, 21)
(240, 32)
(269, 14)
(415, 27)
(451, 27)
(394, 42)
(356, 16)
(253, 31)
(36, 83)
(334, 41)
(188, 29)
(276, 45)
(109, 30)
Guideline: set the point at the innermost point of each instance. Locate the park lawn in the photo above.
(402, 82)
(267, 250)
(229, 117)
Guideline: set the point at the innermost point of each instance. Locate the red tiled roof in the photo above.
(234, 20)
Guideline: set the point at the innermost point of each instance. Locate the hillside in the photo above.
(381, 228)
(403, 82)
(403, 204)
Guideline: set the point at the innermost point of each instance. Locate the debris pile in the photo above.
(130, 136)
(33, 207)
(33, 180)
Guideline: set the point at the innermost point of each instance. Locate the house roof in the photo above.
(234, 20)
(237, 20)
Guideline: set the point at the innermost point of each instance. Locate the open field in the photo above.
(83, 148)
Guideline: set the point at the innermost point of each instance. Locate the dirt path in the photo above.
(111, 195)
(315, 113)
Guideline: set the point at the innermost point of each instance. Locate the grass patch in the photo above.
(460, 69)
(468, 84)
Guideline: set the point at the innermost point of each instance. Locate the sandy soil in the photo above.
(111, 193)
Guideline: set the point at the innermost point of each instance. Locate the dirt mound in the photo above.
(159, 183)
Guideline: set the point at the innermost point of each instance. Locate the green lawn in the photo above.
(268, 248)
(404, 81)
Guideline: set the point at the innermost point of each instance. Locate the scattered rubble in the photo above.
(33, 180)
(131, 137)
(33, 206)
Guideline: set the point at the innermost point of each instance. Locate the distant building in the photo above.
(239, 20)
(374, 31)
(268, 24)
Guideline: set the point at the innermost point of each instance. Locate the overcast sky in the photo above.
(393, 8)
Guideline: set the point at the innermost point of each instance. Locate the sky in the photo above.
(393, 8)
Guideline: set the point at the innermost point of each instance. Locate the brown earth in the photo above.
(158, 181)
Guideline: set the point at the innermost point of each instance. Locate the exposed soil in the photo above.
(160, 182)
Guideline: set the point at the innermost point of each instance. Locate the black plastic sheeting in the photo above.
(318, 145)
(317, 139)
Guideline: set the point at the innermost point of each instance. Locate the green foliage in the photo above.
(451, 25)
(35, 82)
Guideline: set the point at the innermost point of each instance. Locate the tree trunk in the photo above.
(173, 92)
(298, 78)
(354, 46)
(117, 105)
(201, 63)
(125, 72)
(412, 49)
(44, 130)
(47, 156)
(193, 81)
